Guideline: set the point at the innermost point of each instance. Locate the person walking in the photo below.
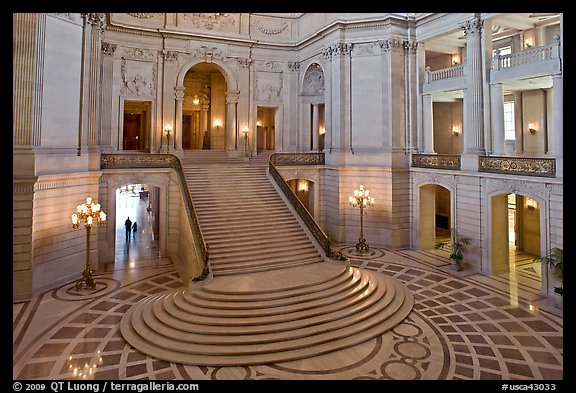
(134, 229)
(128, 226)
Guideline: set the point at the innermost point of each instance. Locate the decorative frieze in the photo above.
(267, 65)
(170, 55)
(140, 54)
(518, 165)
(391, 45)
(289, 159)
(436, 161)
(513, 186)
(294, 66)
(339, 49)
(210, 21)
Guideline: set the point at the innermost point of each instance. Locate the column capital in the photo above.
(179, 92)
(232, 96)
(472, 26)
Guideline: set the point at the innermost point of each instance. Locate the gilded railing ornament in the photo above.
(122, 161)
(436, 161)
(288, 159)
(526, 166)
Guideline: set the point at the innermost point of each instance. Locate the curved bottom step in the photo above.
(208, 330)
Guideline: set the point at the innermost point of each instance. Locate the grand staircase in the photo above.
(273, 297)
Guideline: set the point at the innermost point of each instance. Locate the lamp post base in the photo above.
(361, 246)
(86, 280)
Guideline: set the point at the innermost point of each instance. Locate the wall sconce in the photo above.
(455, 59)
(531, 128)
(531, 204)
(528, 43)
(456, 131)
(302, 185)
(168, 131)
(196, 100)
(321, 130)
(258, 123)
(245, 132)
(217, 123)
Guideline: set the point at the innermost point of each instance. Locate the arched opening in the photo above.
(435, 215)
(136, 205)
(312, 98)
(304, 190)
(204, 108)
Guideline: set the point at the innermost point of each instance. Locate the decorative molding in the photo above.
(267, 65)
(391, 45)
(436, 161)
(366, 49)
(144, 15)
(289, 159)
(232, 96)
(518, 165)
(270, 28)
(435, 178)
(170, 55)
(411, 46)
(179, 92)
(513, 186)
(210, 21)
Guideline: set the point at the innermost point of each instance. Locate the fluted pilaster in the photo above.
(497, 102)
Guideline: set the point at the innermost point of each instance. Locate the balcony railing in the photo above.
(436, 161)
(289, 159)
(130, 161)
(444, 73)
(525, 166)
(527, 56)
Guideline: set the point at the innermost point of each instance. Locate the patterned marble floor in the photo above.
(463, 326)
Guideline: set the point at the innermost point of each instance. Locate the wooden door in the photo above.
(132, 126)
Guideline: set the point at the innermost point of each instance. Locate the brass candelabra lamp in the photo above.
(91, 213)
(363, 199)
(245, 131)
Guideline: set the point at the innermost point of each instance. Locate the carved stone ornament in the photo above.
(448, 181)
(313, 83)
(138, 83)
(108, 48)
(208, 53)
(517, 187)
(140, 54)
(472, 26)
(270, 28)
(144, 15)
(391, 44)
(294, 66)
(209, 21)
(339, 49)
(269, 89)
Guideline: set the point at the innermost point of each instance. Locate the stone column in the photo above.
(203, 124)
(497, 102)
(315, 130)
(427, 124)
(106, 95)
(558, 123)
(518, 143)
(95, 24)
(176, 138)
(473, 95)
(231, 132)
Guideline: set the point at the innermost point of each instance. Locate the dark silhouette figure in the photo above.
(134, 228)
(128, 226)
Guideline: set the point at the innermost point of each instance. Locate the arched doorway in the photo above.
(435, 216)
(204, 108)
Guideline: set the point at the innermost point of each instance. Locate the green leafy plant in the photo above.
(555, 260)
(458, 246)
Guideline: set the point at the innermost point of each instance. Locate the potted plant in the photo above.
(555, 260)
(458, 245)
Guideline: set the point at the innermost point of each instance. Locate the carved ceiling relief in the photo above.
(138, 78)
(268, 27)
(210, 21)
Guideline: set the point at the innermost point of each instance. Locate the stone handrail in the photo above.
(526, 166)
(436, 161)
(527, 56)
(302, 159)
(444, 73)
(130, 161)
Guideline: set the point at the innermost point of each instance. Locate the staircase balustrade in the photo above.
(130, 161)
(289, 159)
